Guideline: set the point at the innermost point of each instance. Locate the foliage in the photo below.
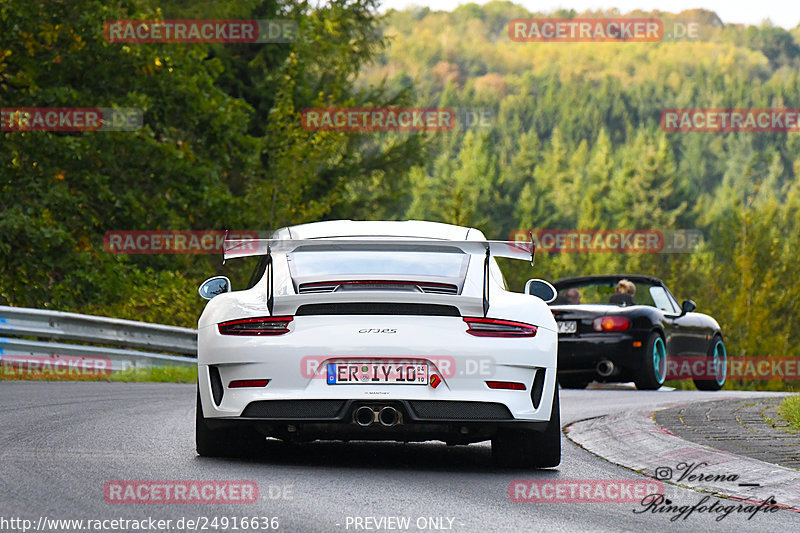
(790, 410)
(221, 146)
(573, 141)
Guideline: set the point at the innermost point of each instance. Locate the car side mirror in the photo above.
(214, 287)
(541, 289)
(687, 307)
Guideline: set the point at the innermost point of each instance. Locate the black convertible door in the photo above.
(679, 331)
(694, 334)
(690, 331)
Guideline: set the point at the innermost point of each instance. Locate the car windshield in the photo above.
(612, 292)
(382, 263)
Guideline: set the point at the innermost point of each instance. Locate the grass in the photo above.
(155, 374)
(790, 410)
(740, 384)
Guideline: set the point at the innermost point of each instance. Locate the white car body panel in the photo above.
(288, 360)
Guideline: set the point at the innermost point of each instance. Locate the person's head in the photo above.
(572, 296)
(626, 286)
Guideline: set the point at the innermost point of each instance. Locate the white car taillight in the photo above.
(273, 325)
(492, 327)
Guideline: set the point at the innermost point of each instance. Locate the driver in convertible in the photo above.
(623, 295)
(569, 297)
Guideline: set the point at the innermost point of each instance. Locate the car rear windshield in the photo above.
(377, 263)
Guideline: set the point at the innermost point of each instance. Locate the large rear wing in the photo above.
(235, 248)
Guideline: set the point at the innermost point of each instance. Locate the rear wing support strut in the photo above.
(486, 283)
(271, 288)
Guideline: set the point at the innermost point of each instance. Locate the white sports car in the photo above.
(356, 330)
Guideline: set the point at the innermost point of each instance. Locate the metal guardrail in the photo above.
(134, 344)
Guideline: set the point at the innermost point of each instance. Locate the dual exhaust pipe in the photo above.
(387, 416)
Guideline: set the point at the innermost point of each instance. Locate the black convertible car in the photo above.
(621, 328)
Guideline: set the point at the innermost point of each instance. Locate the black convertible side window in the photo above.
(662, 299)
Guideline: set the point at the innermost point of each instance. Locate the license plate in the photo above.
(377, 373)
(568, 326)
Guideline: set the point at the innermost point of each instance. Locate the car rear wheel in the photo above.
(573, 382)
(717, 366)
(654, 364)
(527, 448)
(223, 442)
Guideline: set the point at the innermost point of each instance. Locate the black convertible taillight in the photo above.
(611, 323)
(273, 325)
(492, 327)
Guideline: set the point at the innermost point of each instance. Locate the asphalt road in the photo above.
(60, 443)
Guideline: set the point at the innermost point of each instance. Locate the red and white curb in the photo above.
(633, 440)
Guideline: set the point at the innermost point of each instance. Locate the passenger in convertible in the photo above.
(623, 295)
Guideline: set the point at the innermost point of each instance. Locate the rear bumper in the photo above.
(304, 420)
(295, 366)
(580, 355)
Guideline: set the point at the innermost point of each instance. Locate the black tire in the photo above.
(527, 448)
(223, 442)
(654, 364)
(717, 356)
(573, 382)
